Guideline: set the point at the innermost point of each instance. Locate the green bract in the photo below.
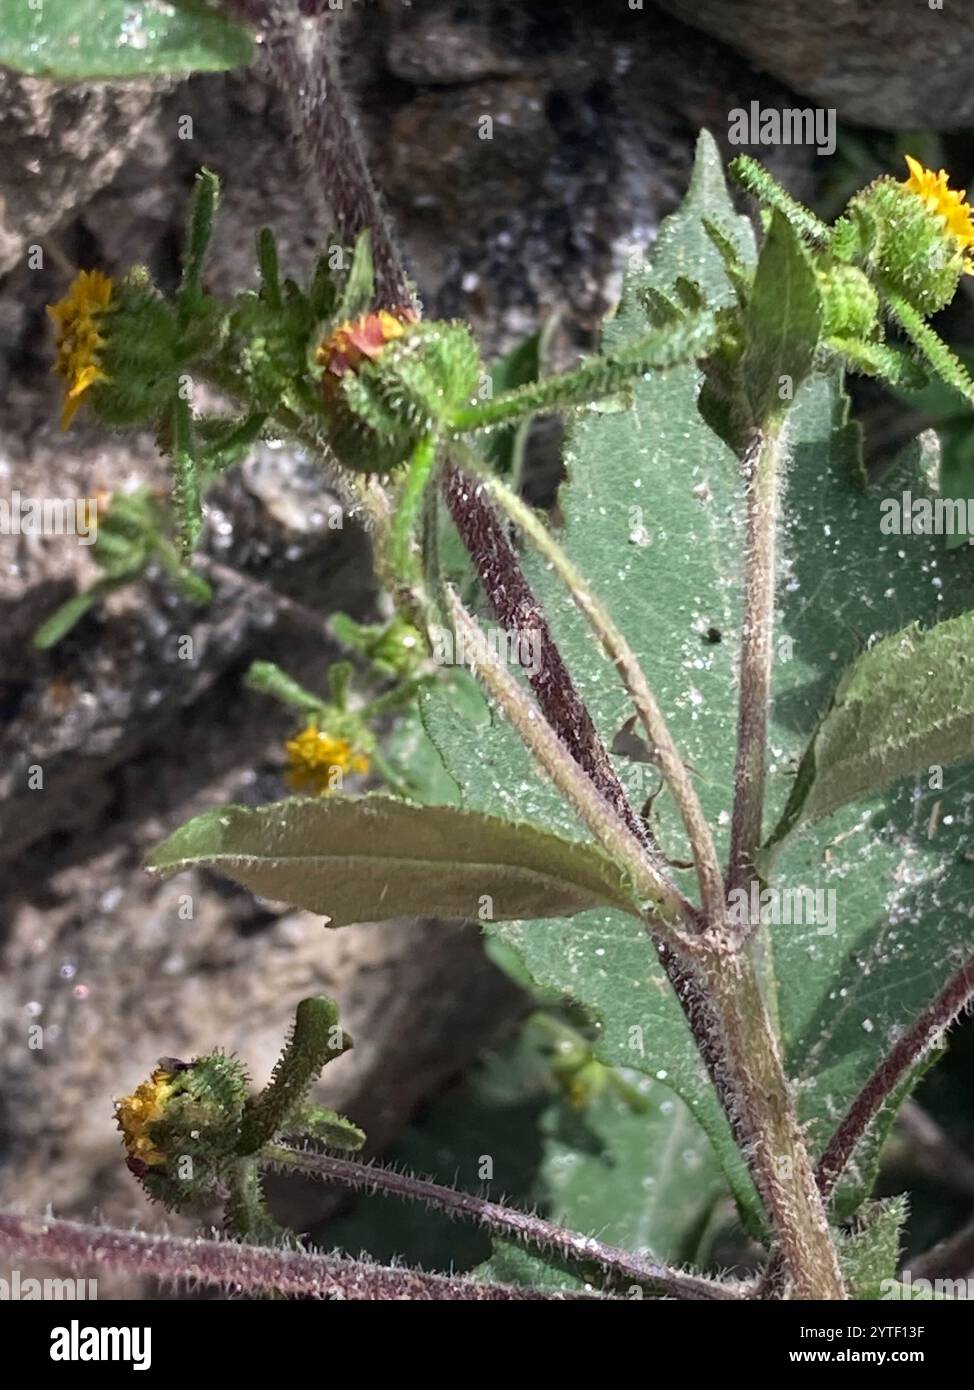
(142, 355)
(409, 392)
(850, 303)
(196, 1132)
(903, 244)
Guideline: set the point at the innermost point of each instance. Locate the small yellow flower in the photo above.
(944, 202)
(137, 1113)
(77, 317)
(313, 758)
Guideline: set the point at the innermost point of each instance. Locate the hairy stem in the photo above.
(651, 716)
(501, 1221)
(774, 1146)
(910, 1050)
(303, 56)
(753, 1089)
(599, 376)
(760, 467)
(315, 1039)
(758, 182)
(237, 1269)
(768, 1125)
(519, 612)
(246, 1213)
(597, 813)
(745, 1062)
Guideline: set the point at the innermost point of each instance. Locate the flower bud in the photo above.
(389, 382)
(182, 1126)
(916, 236)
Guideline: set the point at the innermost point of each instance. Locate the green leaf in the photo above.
(93, 39)
(870, 1253)
(328, 1127)
(509, 1263)
(901, 865)
(202, 211)
(906, 706)
(415, 764)
(60, 623)
(782, 324)
(647, 1182)
(372, 858)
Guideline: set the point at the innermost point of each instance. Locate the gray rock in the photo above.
(522, 191)
(894, 64)
(58, 146)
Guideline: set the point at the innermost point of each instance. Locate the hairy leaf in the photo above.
(782, 324)
(906, 706)
(894, 875)
(870, 1253)
(652, 515)
(371, 858)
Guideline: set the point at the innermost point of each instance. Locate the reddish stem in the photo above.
(910, 1050)
(241, 1268)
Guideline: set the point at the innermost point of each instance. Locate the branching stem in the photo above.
(714, 978)
(503, 1222)
(517, 609)
(912, 1047)
(671, 908)
(633, 678)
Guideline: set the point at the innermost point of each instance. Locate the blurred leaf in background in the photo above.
(90, 39)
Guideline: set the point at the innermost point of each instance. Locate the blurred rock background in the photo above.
(594, 110)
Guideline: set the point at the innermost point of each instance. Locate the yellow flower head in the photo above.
(361, 339)
(137, 1113)
(944, 202)
(77, 317)
(314, 757)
